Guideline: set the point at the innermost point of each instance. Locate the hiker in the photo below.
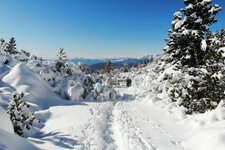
(128, 81)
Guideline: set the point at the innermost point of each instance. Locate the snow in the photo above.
(142, 121)
(4, 70)
(207, 1)
(130, 135)
(98, 87)
(204, 45)
(140, 118)
(178, 25)
(223, 50)
(8, 140)
(75, 92)
(5, 121)
(145, 122)
(23, 79)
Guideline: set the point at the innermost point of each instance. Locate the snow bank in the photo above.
(23, 79)
(207, 139)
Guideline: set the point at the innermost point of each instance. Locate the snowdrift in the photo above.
(23, 79)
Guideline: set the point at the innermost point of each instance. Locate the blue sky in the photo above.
(91, 28)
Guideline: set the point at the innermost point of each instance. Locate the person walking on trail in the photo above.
(128, 81)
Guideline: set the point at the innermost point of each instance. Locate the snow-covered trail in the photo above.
(142, 129)
(122, 125)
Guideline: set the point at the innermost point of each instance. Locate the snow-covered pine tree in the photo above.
(2, 45)
(192, 47)
(187, 40)
(61, 64)
(85, 68)
(61, 59)
(173, 42)
(126, 68)
(220, 36)
(19, 113)
(11, 46)
(200, 14)
(108, 67)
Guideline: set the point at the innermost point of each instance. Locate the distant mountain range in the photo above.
(117, 62)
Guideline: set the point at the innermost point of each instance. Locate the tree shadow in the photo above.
(56, 138)
(2, 147)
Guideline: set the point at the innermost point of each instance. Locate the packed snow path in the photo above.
(122, 125)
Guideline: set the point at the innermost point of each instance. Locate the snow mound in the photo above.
(23, 79)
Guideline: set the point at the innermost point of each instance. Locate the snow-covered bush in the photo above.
(84, 68)
(20, 115)
(85, 87)
(99, 89)
(102, 92)
(70, 89)
(75, 92)
(58, 73)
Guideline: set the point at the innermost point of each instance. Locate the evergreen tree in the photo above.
(20, 116)
(108, 67)
(192, 47)
(151, 59)
(187, 36)
(2, 44)
(126, 68)
(146, 61)
(173, 42)
(61, 59)
(11, 46)
(135, 65)
(61, 64)
(85, 68)
(220, 36)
